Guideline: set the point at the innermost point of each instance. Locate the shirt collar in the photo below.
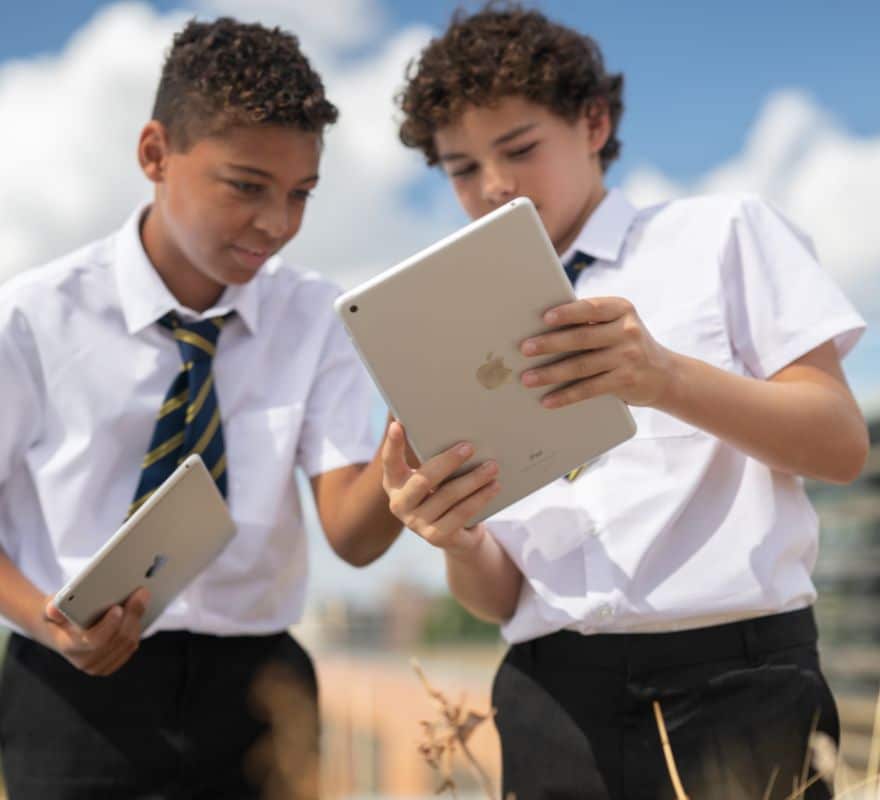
(145, 298)
(605, 230)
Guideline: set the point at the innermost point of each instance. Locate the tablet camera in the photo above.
(353, 309)
(158, 563)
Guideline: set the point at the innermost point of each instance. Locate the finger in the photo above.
(461, 514)
(104, 629)
(577, 337)
(573, 368)
(394, 466)
(53, 614)
(453, 492)
(432, 473)
(605, 383)
(137, 602)
(592, 310)
(107, 662)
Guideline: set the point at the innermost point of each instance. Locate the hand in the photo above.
(105, 646)
(437, 512)
(609, 351)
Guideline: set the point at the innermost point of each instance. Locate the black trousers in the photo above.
(576, 713)
(189, 716)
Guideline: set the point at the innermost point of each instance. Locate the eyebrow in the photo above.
(503, 139)
(263, 174)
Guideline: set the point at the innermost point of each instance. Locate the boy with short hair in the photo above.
(675, 570)
(182, 332)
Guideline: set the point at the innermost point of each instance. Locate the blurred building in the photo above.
(848, 578)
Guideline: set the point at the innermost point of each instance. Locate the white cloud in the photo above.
(78, 114)
(798, 157)
(326, 25)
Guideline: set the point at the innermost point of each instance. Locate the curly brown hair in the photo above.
(503, 50)
(226, 73)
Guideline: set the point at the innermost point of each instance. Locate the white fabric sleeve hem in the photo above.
(845, 331)
(332, 458)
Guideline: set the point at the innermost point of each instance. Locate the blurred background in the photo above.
(778, 98)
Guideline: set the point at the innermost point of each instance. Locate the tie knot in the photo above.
(576, 263)
(196, 340)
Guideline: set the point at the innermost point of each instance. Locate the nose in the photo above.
(499, 184)
(273, 219)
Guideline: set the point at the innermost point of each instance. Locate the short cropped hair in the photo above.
(222, 74)
(505, 50)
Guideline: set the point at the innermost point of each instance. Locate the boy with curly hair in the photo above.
(182, 332)
(674, 572)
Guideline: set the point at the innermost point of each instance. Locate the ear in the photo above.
(153, 150)
(598, 125)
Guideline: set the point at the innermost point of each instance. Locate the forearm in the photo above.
(361, 527)
(20, 601)
(803, 427)
(484, 579)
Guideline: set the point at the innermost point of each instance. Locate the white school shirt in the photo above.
(676, 529)
(84, 369)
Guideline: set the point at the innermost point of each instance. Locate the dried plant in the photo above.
(447, 735)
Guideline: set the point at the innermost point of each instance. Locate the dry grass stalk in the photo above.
(874, 756)
(667, 754)
(443, 737)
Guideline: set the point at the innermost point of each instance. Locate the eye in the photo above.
(245, 187)
(522, 151)
(301, 195)
(462, 172)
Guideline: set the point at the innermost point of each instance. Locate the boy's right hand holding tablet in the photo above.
(480, 574)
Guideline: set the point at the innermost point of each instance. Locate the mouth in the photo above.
(251, 257)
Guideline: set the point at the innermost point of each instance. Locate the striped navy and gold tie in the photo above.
(189, 419)
(573, 267)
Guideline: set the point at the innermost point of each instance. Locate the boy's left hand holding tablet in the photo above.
(610, 351)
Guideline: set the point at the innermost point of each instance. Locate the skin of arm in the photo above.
(98, 651)
(354, 512)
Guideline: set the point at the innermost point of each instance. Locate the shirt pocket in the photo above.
(261, 450)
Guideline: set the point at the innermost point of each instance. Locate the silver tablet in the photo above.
(440, 335)
(169, 540)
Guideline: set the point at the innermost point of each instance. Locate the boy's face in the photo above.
(515, 148)
(225, 205)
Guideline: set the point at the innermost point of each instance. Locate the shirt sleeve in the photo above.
(22, 397)
(781, 303)
(337, 429)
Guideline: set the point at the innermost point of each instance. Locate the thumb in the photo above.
(53, 614)
(394, 456)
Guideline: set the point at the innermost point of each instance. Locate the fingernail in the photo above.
(530, 348)
(530, 378)
(551, 317)
(464, 450)
(489, 466)
(117, 612)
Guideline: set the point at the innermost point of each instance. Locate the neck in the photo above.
(189, 286)
(591, 203)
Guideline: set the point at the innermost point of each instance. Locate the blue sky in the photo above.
(701, 67)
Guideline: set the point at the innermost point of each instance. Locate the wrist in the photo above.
(672, 392)
(467, 546)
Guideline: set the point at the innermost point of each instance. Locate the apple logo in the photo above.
(493, 373)
(158, 563)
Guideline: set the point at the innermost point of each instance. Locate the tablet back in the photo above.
(170, 539)
(440, 334)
